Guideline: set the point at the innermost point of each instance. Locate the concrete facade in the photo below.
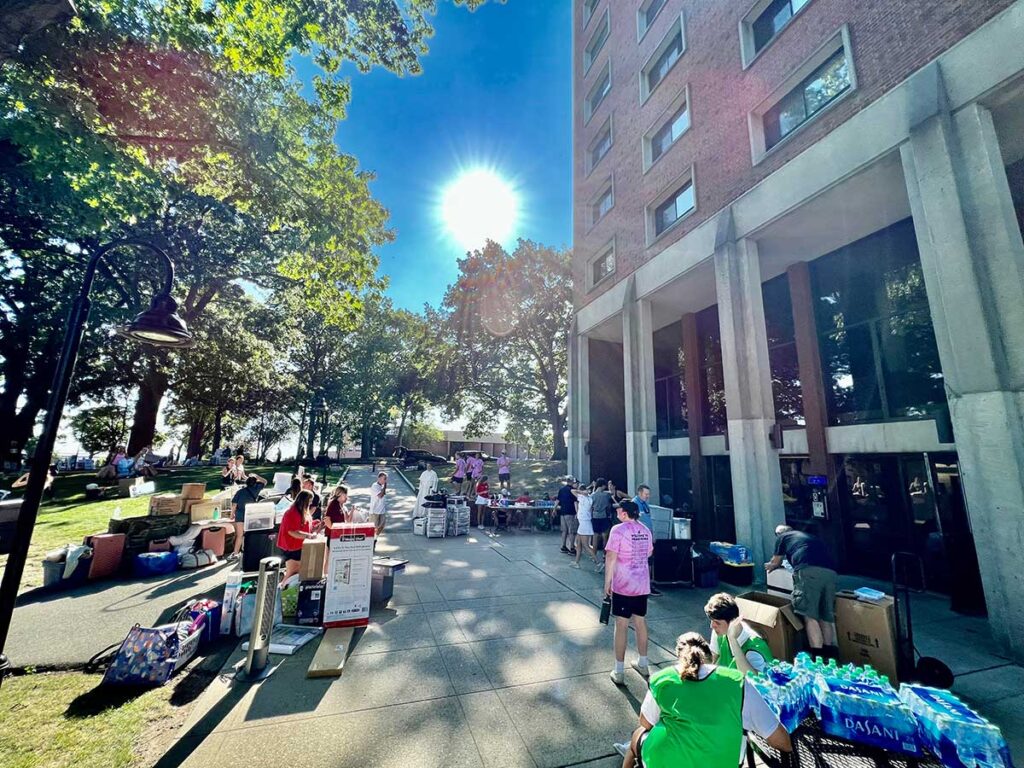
(931, 129)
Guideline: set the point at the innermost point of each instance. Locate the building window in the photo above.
(603, 266)
(821, 81)
(782, 354)
(669, 395)
(588, 10)
(663, 59)
(711, 371)
(597, 41)
(646, 15)
(600, 146)
(602, 204)
(673, 123)
(878, 352)
(824, 86)
(772, 20)
(597, 93)
(673, 208)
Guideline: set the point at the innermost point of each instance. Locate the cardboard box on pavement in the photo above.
(314, 555)
(773, 618)
(193, 490)
(866, 632)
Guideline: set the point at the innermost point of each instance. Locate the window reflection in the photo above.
(782, 355)
(711, 371)
(669, 394)
(877, 343)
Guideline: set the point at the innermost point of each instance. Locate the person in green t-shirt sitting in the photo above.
(695, 714)
(734, 644)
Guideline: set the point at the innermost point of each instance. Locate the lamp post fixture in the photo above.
(160, 326)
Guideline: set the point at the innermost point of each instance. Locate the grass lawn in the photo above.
(534, 478)
(69, 517)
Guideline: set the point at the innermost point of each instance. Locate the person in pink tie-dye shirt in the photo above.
(627, 580)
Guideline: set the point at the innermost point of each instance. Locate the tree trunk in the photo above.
(151, 393)
(218, 429)
(365, 447)
(195, 438)
(401, 425)
(559, 450)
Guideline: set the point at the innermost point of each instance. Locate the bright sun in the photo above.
(479, 206)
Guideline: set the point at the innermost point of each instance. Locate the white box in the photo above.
(259, 517)
(349, 575)
(780, 582)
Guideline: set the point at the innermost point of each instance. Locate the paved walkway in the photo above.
(491, 654)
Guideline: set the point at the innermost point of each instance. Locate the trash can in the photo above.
(382, 584)
(9, 511)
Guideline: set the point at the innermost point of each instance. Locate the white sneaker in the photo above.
(622, 748)
(480, 527)
(574, 564)
(643, 670)
(619, 678)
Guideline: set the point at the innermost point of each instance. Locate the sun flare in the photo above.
(479, 205)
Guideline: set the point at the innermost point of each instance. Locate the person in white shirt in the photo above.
(378, 506)
(585, 529)
(428, 485)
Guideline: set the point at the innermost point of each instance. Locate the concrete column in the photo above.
(756, 478)
(638, 371)
(972, 257)
(579, 404)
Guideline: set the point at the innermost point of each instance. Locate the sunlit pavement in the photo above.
(491, 654)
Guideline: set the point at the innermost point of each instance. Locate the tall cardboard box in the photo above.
(349, 575)
(773, 618)
(866, 632)
(314, 555)
(193, 490)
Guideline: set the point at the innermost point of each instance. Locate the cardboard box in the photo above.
(349, 575)
(124, 486)
(202, 510)
(314, 555)
(773, 618)
(165, 504)
(193, 490)
(329, 660)
(311, 602)
(780, 582)
(866, 633)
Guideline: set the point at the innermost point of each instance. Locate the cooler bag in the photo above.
(213, 540)
(155, 564)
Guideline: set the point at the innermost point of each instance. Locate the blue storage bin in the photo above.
(155, 563)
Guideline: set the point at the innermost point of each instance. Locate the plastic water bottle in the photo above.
(117, 513)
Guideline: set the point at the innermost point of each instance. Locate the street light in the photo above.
(160, 326)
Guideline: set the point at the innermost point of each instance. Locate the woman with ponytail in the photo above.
(695, 714)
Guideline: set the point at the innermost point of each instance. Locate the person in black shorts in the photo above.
(601, 510)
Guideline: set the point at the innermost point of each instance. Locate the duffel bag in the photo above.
(196, 559)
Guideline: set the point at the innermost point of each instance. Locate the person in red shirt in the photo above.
(296, 526)
(483, 501)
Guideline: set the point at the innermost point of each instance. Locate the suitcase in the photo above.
(213, 539)
(107, 550)
(155, 564)
(255, 546)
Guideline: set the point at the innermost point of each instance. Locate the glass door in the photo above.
(723, 522)
(874, 516)
(963, 576)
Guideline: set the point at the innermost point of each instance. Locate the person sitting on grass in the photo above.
(254, 485)
(695, 713)
(296, 526)
(227, 474)
(734, 645)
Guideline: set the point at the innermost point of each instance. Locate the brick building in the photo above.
(800, 275)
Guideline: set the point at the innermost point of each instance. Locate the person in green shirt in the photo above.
(734, 644)
(695, 714)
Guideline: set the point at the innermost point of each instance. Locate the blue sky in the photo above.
(495, 91)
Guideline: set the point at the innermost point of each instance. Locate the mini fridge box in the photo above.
(866, 632)
(773, 618)
(310, 610)
(349, 575)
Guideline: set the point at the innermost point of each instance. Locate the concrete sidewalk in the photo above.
(491, 654)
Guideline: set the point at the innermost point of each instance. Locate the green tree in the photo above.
(507, 321)
(101, 428)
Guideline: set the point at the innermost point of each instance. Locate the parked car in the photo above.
(414, 457)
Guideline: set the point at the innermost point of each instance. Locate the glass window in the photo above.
(667, 135)
(669, 395)
(669, 212)
(711, 371)
(782, 356)
(820, 89)
(772, 19)
(596, 43)
(675, 484)
(649, 14)
(601, 146)
(598, 92)
(603, 266)
(588, 9)
(661, 66)
(796, 493)
(878, 350)
(603, 205)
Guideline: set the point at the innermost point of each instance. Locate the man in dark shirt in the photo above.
(814, 584)
(254, 485)
(565, 508)
(602, 510)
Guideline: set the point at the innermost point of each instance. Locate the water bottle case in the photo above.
(606, 610)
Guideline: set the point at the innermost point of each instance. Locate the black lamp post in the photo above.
(159, 326)
(325, 414)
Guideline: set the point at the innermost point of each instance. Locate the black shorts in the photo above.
(291, 554)
(457, 480)
(601, 524)
(625, 606)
